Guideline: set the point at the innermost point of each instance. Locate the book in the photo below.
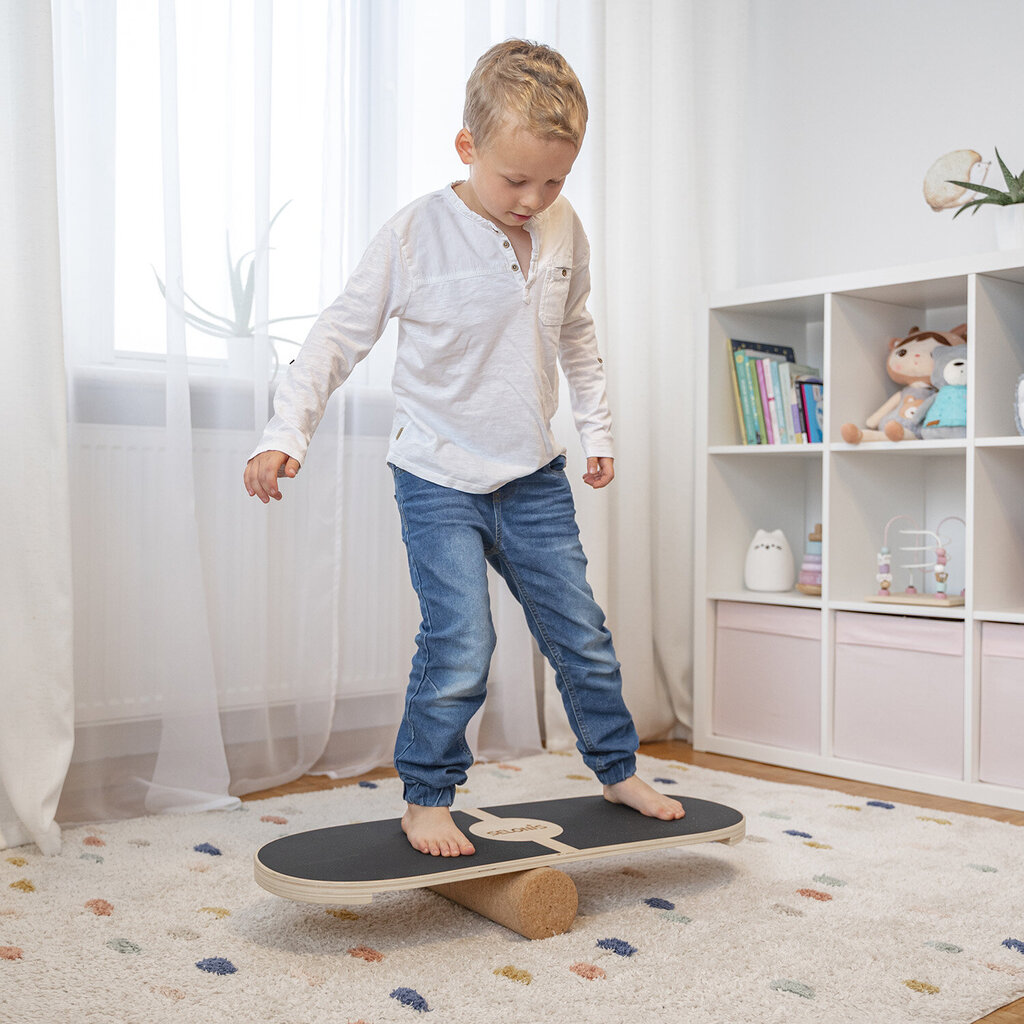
(765, 391)
(812, 394)
(780, 405)
(744, 398)
(755, 392)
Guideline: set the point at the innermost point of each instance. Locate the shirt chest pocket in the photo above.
(554, 294)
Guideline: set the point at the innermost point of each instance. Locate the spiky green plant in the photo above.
(992, 196)
(243, 282)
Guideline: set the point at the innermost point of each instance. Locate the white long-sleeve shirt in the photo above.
(475, 377)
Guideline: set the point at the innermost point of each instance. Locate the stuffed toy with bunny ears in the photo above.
(910, 363)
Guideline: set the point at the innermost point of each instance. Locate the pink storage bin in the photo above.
(768, 675)
(1002, 704)
(899, 692)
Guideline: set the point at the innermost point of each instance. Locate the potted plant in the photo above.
(238, 330)
(1010, 225)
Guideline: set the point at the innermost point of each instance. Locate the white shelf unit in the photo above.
(843, 325)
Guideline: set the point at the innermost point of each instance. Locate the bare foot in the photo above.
(635, 793)
(432, 830)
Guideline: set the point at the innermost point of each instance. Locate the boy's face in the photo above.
(515, 175)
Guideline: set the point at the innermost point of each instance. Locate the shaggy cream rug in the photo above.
(834, 909)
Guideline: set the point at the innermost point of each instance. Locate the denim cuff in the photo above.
(425, 796)
(618, 772)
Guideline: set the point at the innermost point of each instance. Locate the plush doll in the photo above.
(946, 414)
(910, 363)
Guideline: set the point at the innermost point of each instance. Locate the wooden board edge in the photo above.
(361, 893)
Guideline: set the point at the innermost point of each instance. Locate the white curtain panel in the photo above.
(223, 646)
(36, 710)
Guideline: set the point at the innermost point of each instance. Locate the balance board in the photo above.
(510, 879)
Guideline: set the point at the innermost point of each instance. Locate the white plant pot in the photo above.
(1010, 226)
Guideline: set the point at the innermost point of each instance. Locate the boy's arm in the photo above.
(584, 372)
(342, 336)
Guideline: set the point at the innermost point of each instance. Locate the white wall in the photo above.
(848, 104)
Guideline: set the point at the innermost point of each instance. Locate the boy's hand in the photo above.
(600, 472)
(262, 471)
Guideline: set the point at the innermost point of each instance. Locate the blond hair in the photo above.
(529, 86)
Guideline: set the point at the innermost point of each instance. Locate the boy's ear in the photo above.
(464, 146)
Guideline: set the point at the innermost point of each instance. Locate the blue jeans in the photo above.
(527, 532)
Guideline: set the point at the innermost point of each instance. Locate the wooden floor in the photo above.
(682, 752)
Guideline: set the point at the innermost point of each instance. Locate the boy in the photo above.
(489, 279)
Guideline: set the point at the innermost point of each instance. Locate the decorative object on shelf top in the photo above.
(809, 580)
(943, 194)
(769, 564)
(1013, 194)
(937, 565)
(1010, 219)
(910, 363)
(945, 414)
(778, 400)
(240, 327)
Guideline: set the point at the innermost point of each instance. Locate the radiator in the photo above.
(293, 603)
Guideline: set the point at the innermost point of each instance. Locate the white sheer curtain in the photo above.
(36, 716)
(662, 164)
(222, 646)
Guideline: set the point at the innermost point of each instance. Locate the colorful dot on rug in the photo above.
(657, 903)
(274, 819)
(124, 946)
(666, 782)
(94, 857)
(101, 908)
(797, 832)
(207, 848)
(617, 946)
(936, 821)
(881, 803)
(11, 953)
(589, 971)
(217, 965)
(829, 880)
(368, 785)
(945, 947)
(371, 956)
(984, 868)
(93, 841)
(22, 885)
(18, 862)
(798, 988)
(514, 974)
(814, 894)
(411, 998)
(342, 914)
(218, 912)
(922, 986)
(1014, 944)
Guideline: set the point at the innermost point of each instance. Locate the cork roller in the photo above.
(537, 904)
